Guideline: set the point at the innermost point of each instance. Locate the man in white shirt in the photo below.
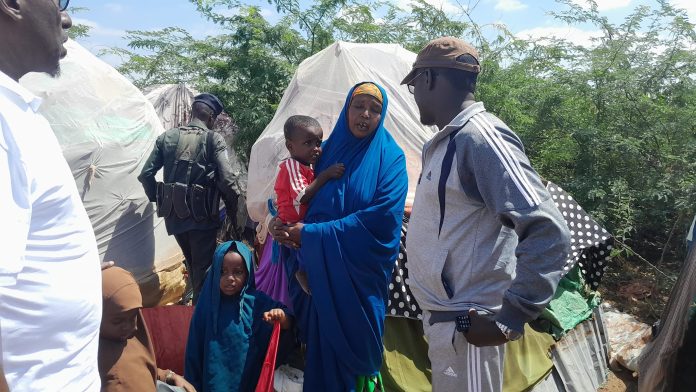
(50, 281)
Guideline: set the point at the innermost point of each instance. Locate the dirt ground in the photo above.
(621, 381)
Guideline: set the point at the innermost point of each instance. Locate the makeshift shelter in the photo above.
(107, 128)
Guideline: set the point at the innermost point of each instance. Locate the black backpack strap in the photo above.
(210, 145)
(173, 162)
(210, 155)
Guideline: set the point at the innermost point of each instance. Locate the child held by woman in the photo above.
(296, 183)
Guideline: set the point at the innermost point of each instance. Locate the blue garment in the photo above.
(228, 338)
(350, 241)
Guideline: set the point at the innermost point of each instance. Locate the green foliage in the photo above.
(78, 30)
(614, 123)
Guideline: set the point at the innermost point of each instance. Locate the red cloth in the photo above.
(266, 378)
(169, 327)
(293, 178)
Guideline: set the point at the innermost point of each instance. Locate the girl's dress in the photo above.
(228, 338)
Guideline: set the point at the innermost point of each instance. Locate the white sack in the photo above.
(319, 89)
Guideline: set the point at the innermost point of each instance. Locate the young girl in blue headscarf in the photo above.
(231, 325)
(347, 245)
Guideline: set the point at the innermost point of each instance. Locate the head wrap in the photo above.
(368, 89)
(128, 365)
(350, 240)
(120, 292)
(219, 355)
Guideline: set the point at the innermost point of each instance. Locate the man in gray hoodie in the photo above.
(486, 243)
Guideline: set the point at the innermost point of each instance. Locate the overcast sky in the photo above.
(111, 19)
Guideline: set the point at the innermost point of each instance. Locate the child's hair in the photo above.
(293, 123)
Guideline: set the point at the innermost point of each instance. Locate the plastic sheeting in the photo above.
(172, 103)
(658, 360)
(107, 128)
(627, 337)
(319, 89)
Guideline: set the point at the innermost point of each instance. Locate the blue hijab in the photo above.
(228, 339)
(350, 241)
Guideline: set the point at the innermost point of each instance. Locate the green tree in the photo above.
(613, 123)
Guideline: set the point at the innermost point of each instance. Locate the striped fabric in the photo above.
(293, 178)
(502, 149)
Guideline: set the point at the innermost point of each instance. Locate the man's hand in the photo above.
(334, 171)
(483, 331)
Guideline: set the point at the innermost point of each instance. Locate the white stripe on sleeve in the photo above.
(516, 162)
(509, 162)
(292, 175)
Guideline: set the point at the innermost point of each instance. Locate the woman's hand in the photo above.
(279, 232)
(178, 381)
(294, 233)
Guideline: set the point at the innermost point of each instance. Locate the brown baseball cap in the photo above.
(443, 53)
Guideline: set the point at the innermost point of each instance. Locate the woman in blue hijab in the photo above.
(231, 325)
(347, 245)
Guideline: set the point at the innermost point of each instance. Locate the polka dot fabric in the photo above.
(590, 243)
(401, 302)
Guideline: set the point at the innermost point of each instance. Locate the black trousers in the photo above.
(198, 247)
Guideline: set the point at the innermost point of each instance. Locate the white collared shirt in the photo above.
(50, 278)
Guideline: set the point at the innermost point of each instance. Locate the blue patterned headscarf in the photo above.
(227, 337)
(350, 241)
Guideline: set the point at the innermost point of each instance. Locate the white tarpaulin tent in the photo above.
(319, 89)
(107, 129)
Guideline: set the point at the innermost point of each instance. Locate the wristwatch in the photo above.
(510, 334)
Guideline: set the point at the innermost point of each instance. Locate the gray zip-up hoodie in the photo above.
(484, 231)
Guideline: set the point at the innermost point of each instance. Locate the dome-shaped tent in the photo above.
(107, 129)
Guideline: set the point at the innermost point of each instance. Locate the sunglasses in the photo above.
(63, 5)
